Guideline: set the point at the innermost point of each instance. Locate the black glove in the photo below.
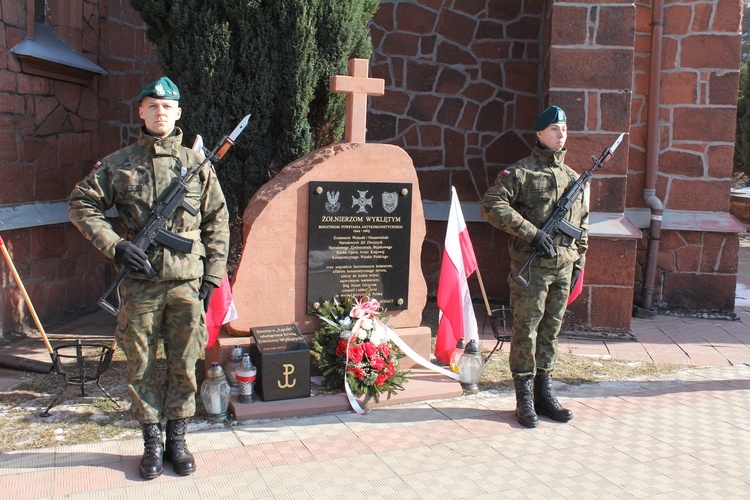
(574, 278)
(205, 292)
(543, 243)
(130, 255)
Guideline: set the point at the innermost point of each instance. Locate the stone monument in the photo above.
(270, 284)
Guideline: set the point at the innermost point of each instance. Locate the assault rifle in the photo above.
(166, 206)
(556, 222)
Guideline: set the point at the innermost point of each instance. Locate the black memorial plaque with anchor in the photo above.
(283, 360)
(359, 239)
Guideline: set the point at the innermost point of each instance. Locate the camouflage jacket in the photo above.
(132, 179)
(522, 199)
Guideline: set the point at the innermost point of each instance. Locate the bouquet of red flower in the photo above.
(352, 344)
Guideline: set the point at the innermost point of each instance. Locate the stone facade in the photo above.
(465, 80)
(53, 131)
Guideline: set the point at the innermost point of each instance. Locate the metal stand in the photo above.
(86, 363)
(497, 315)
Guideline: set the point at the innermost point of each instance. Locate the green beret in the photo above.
(551, 115)
(163, 88)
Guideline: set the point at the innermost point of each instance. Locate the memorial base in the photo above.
(421, 385)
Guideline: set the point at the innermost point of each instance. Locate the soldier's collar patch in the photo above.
(505, 172)
(98, 164)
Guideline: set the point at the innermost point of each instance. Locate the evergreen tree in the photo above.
(271, 58)
(742, 141)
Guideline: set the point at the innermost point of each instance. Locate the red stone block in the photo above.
(723, 88)
(75, 148)
(582, 146)
(521, 76)
(48, 242)
(450, 111)
(8, 81)
(710, 196)
(677, 19)
(616, 26)
(420, 77)
(569, 25)
(491, 116)
(504, 9)
(681, 163)
(610, 262)
(711, 51)
(69, 95)
(400, 43)
(727, 16)
(507, 149)
(608, 194)
(432, 184)
(415, 18)
(526, 28)
(704, 124)
(454, 143)
(611, 308)
(702, 17)
(472, 7)
(448, 53)
(384, 16)
(380, 127)
(679, 88)
(615, 111)
(430, 136)
(121, 39)
(392, 102)
(456, 27)
(469, 116)
(719, 253)
(720, 161)
(600, 68)
(451, 81)
(699, 291)
(426, 157)
(489, 29)
(423, 107)
(495, 50)
(688, 259)
(525, 112)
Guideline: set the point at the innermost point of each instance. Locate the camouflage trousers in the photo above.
(150, 311)
(537, 317)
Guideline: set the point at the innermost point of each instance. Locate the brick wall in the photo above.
(697, 119)
(52, 133)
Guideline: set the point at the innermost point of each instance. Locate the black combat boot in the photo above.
(547, 404)
(525, 402)
(153, 450)
(176, 450)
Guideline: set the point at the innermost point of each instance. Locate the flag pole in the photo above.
(495, 333)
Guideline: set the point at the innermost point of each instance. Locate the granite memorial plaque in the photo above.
(283, 361)
(359, 238)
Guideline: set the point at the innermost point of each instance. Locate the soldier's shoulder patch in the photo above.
(97, 164)
(505, 173)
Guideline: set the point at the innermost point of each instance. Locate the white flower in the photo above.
(362, 335)
(378, 336)
(345, 334)
(346, 322)
(367, 324)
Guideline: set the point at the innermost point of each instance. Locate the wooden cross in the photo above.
(357, 86)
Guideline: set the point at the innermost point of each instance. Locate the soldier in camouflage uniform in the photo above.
(520, 202)
(170, 305)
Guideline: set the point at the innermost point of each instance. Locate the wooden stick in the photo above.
(25, 296)
(484, 293)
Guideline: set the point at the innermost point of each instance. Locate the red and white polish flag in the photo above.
(578, 288)
(457, 318)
